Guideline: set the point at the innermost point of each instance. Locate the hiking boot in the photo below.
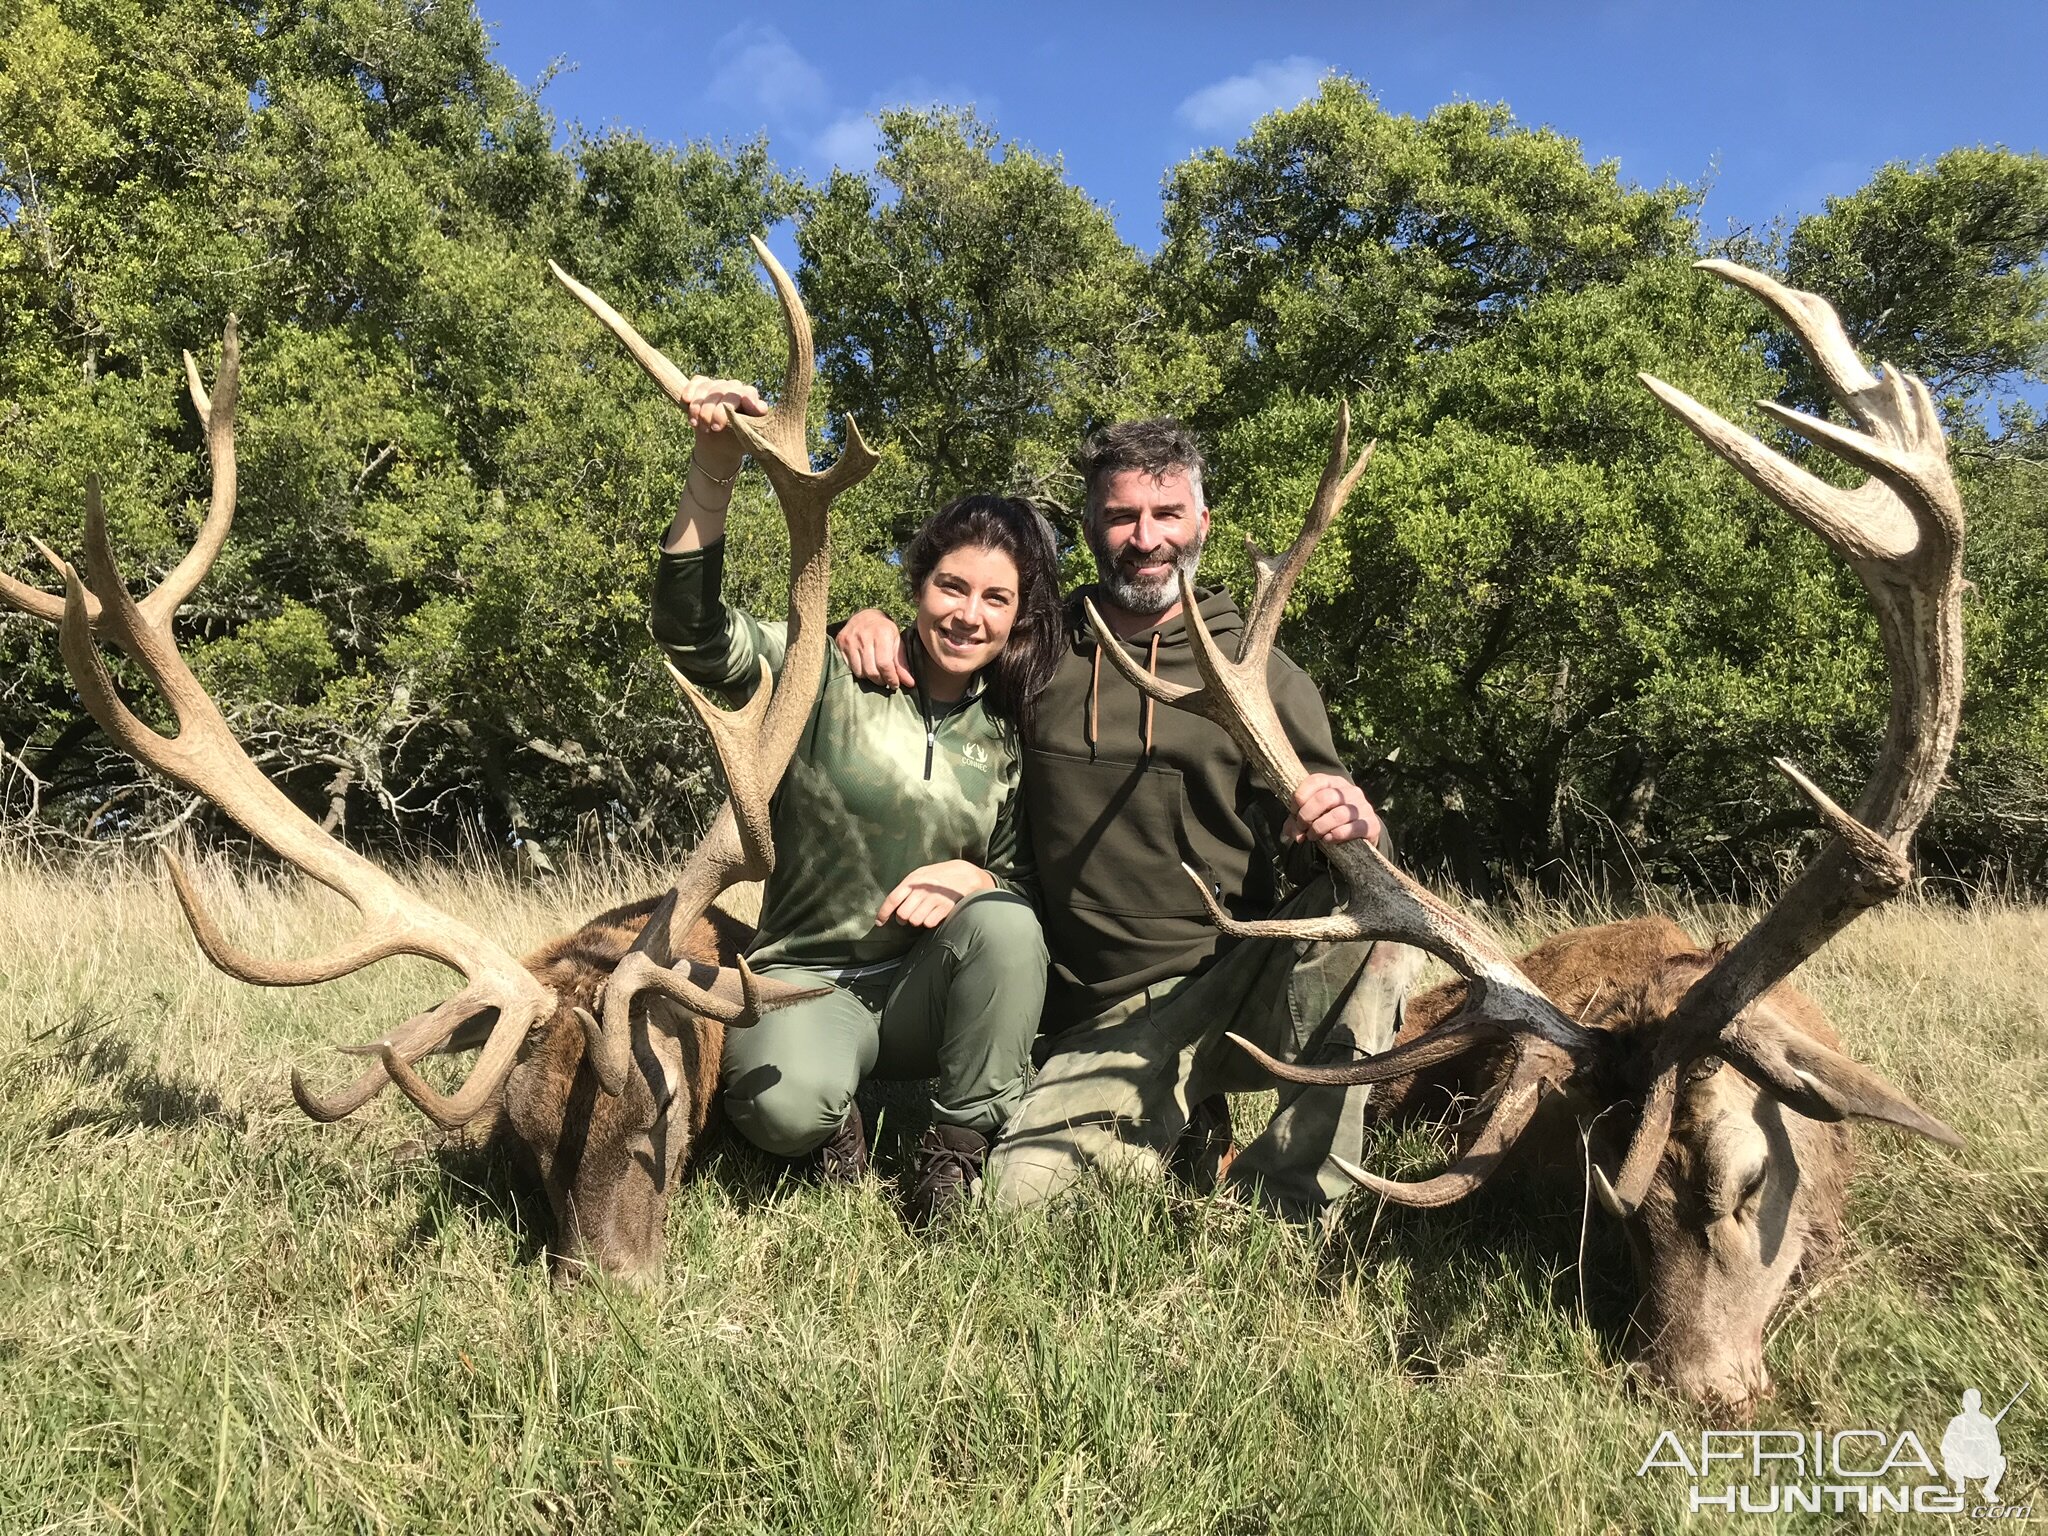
(949, 1161)
(843, 1159)
(1202, 1155)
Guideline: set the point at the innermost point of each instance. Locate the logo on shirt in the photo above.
(974, 754)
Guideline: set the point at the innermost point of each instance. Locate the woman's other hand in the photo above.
(926, 897)
(710, 404)
(872, 646)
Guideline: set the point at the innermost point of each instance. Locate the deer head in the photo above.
(1732, 1084)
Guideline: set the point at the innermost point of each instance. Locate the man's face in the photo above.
(1145, 531)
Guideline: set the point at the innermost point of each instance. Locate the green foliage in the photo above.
(1553, 629)
(1995, 818)
(1339, 245)
(450, 479)
(1546, 605)
(979, 309)
(1939, 269)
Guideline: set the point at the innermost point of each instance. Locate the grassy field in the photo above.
(215, 1315)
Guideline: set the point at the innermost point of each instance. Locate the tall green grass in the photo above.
(217, 1316)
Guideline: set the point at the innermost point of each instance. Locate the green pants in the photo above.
(1116, 1091)
(962, 1007)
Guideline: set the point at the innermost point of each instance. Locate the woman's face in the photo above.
(966, 607)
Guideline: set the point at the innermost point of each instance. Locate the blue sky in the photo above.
(1777, 106)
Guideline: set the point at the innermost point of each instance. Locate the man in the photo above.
(1118, 794)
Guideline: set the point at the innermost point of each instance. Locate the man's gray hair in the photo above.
(1157, 447)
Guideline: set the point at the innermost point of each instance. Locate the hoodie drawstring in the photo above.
(1151, 670)
(1095, 693)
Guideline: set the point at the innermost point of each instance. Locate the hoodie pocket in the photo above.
(1110, 836)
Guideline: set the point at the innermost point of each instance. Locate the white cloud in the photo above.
(848, 142)
(1231, 105)
(852, 139)
(760, 68)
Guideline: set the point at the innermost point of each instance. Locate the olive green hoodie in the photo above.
(1119, 794)
(882, 782)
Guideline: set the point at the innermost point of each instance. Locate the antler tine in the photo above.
(1509, 1117)
(1860, 528)
(1433, 1049)
(424, 1033)
(1639, 1164)
(1145, 682)
(1276, 578)
(1816, 324)
(784, 431)
(779, 440)
(217, 413)
(159, 606)
(229, 958)
(195, 386)
(36, 603)
(673, 380)
(1902, 533)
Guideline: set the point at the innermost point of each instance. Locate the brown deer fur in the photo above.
(607, 1162)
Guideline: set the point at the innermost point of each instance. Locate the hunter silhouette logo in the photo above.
(1865, 1471)
(1969, 1447)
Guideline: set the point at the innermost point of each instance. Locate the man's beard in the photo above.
(1151, 596)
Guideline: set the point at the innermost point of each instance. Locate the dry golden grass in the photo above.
(216, 1315)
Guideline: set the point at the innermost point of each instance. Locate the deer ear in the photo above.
(1822, 1083)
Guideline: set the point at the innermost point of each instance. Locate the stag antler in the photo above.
(754, 743)
(205, 757)
(1902, 532)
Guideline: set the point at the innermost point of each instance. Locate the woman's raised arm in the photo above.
(714, 461)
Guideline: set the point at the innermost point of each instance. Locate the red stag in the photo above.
(1735, 1170)
(608, 1113)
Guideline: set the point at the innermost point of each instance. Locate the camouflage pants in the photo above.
(1116, 1091)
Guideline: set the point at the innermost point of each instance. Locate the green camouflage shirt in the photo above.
(882, 782)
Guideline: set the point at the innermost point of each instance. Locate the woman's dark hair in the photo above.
(1025, 665)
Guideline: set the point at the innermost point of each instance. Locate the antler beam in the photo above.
(1901, 531)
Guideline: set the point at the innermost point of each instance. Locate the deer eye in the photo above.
(1750, 1194)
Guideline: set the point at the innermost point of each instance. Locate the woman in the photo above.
(898, 879)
